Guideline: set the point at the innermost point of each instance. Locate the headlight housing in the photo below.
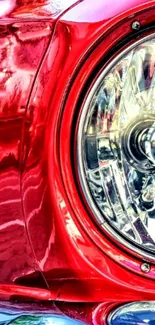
(116, 146)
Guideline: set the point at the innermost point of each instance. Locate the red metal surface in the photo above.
(22, 46)
(98, 269)
(48, 241)
(26, 29)
(34, 9)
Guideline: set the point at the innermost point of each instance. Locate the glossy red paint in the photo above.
(99, 314)
(48, 239)
(68, 247)
(34, 9)
(22, 46)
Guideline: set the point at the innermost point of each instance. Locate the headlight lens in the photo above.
(116, 146)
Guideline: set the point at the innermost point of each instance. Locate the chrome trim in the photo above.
(139, 313)
(81, 127)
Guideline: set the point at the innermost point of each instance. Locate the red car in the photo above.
(77, 162)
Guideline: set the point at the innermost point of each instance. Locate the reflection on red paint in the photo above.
(22, 46)
(77, 262)
(48, 239)
(31, 9)
(6, 7)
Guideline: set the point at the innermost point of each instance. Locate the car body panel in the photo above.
(52, 245)
(18, 67)
(75, 268)
(34, 9)
(26, 30)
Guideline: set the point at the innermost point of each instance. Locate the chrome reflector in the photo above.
(116, 146)
(138, 313)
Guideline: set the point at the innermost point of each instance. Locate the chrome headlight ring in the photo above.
(115, 147)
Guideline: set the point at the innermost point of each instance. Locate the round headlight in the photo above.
(116, 146)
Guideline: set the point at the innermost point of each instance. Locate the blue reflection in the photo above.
(134, 314)
(31, 319)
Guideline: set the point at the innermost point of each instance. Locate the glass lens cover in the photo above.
(116, 145)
